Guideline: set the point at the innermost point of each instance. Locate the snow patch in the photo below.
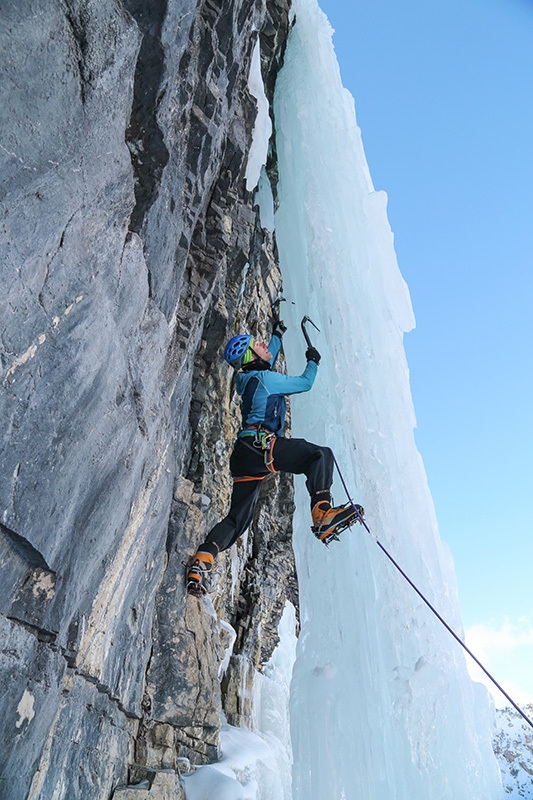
(262, 131)
(25, 709)
(256, 764)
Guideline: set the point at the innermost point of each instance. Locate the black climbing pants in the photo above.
(248, 469)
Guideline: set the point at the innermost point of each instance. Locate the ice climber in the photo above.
(260, 450)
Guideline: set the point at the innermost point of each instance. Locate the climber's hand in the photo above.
(312, 354)
(279, 328)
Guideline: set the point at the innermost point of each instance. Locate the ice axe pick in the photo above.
(304, 322)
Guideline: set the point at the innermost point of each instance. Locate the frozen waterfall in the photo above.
(381, 702)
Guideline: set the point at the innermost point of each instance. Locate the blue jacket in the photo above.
(263, 392)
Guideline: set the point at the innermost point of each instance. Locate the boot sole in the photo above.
(327, 535)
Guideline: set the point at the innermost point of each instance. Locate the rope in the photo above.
(426, 601)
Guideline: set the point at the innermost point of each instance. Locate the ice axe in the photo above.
(276, 305)
(304, 322)
(276, 312)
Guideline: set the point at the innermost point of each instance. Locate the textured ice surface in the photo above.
(382, 705)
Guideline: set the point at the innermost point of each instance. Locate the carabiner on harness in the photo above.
(264, 440)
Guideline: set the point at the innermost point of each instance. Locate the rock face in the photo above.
(513, 745)
(131, 250)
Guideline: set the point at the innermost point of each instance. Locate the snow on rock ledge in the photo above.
(513, 745)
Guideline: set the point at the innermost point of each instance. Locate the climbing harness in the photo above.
(264, 440)
(426, 601)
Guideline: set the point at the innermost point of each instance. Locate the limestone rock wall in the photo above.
(131, 251)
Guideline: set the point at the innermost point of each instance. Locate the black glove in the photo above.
(279, 328)
(312, 354)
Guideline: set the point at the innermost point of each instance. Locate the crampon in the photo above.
(198, 575)
(345, 516)
(195, 586)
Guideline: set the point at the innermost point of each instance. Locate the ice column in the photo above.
(382, 705)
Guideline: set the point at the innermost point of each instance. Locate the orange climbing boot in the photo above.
(329, 522)
(198, 573)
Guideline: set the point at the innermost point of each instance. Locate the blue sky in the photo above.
(444, 98)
